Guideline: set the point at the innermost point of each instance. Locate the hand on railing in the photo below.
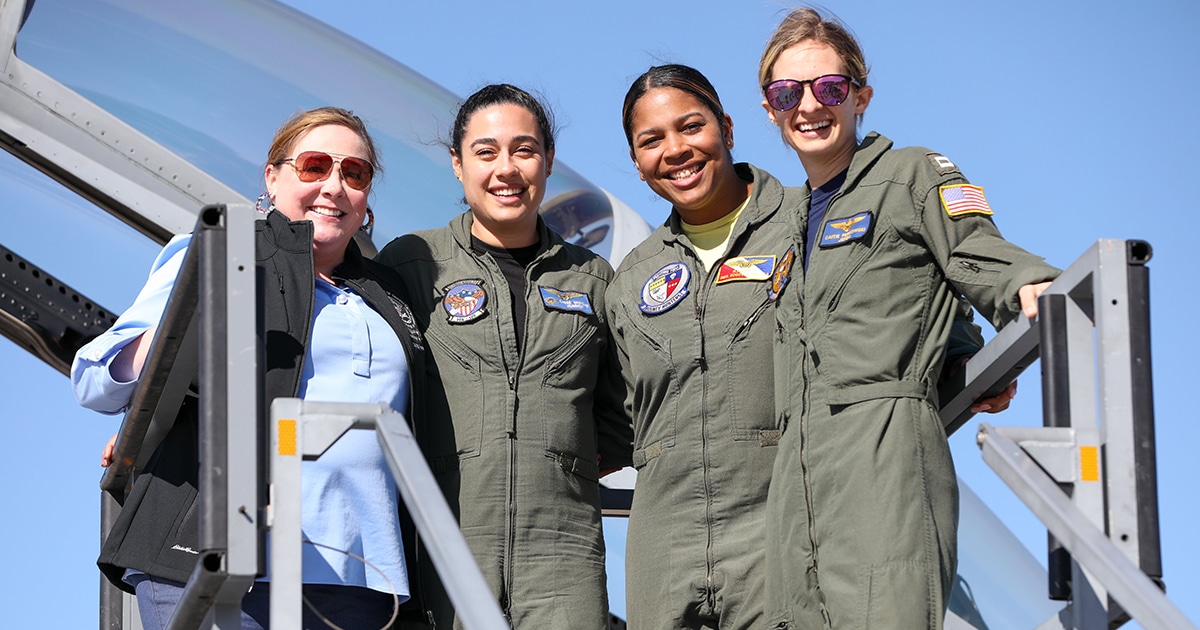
(997, 403)
(106, 456)
(1029, 296)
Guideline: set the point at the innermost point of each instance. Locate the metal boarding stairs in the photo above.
(1089, 474)
(219, 268)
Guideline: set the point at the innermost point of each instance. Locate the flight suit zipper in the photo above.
(699, 311)
(514, 388)
(749, 321)
(806, 390)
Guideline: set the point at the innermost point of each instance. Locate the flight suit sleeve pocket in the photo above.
(974, 270)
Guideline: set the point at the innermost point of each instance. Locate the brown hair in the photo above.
(305, 121)
(807, 24)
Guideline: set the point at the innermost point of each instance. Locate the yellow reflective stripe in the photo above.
(287, 437)
(1089, 463)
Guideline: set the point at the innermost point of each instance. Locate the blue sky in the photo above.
(1076, 117)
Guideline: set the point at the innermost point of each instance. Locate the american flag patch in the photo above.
(961, 199)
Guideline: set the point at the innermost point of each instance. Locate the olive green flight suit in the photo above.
(863, 508)
(513, 433)
(700, 394)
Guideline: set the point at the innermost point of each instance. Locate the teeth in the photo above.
(814, 126)
(329, 212)
(507, 192)
(684, 174)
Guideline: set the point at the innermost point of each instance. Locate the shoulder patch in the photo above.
(754, 268)
(941, 163)
(570, 301)
(464, 301)
(963, 199)
(839, 231)
(665, 288)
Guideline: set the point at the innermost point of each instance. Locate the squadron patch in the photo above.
(963, 199)
(464, 301)
(753, 268)
(571, 301)
(666, 288)
(783, 273)
(839, 231)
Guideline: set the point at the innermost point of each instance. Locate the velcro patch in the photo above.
(571, 301)
(839, 231)
(464, 301)
(963, 199)
(753, 268)
(941, 163)
(666, 288)
(782, 274)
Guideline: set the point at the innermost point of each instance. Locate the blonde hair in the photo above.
(807, 24)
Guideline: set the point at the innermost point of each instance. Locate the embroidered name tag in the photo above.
(783, 273)
(464, 301)
(560, 300)
(962, 199)
(753, 268)
(665, 288)
(839, 231)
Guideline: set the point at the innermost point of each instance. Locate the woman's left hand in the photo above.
(106, 455)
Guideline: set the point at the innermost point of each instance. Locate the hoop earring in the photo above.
(264, 198)
(370, 222)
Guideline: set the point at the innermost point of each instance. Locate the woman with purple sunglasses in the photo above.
(862, 513)
(690, 311)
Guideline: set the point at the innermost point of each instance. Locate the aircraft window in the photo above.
(192, 80)
(49, 221)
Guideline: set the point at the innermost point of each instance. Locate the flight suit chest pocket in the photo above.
(747, 374)
(569, 377)
(867, 327)
(654, 378)
(457, 400)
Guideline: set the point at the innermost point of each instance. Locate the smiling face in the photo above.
(823, 136)
(503, 165)
(335, 209)
(681, 150)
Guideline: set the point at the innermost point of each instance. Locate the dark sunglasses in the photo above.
(315, 166)
(830, 90)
